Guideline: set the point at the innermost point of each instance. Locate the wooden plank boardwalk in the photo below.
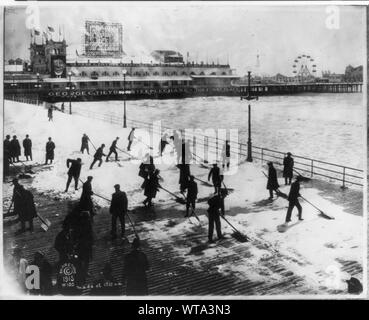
(171, 274)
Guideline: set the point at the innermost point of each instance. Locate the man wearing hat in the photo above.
(50, 146)
(15, 149)
(24, 206)
(27, 145)
(293, 200)
(135, 266)
(288, 168)
(118, 209)
(98, 156)
(6, 155)
(272, 180)
(216, 177)
(191, 195)
(113, 149)
(84, 144)
(85, 203)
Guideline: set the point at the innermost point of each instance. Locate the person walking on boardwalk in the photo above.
(288, 164)
(50, 113)
(15, 149)
(50, 147)
(98, 156)
(113, 149)
(226, 154)
(272, 184)
(118, 209)
(293, 200)
(24, 206)
(85, 202)
(73, 172)
(151, 186)
(146, 167)
(62, 107)
(184, 176)
(135, 266)
(214, 211)
(84, 144)
(163, 143)
(216, 177)
(191, 196)
(130, 138)
(27, 145)
(6, 155)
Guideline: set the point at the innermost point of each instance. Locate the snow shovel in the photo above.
(127, 153)
(324, 215)
(92, 143)
(237, 234)
(178, 199)
(306, 179)
(208, 184)
(201, 159)
(45, 223)
(151, 148)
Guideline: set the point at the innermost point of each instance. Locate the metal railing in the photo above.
(24, 99)
(303, 165)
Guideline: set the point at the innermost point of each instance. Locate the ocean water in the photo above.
(328, 127)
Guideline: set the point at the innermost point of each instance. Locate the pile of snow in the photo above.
(310, 248)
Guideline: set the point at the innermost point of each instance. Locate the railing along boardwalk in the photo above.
(345, 175)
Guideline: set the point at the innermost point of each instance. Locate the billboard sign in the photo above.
(58, 66)
(103, 39)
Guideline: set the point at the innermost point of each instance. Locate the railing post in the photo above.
(262, 155)
(312, 168)
(343, 178)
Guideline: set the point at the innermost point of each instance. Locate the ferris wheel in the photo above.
(304, 67)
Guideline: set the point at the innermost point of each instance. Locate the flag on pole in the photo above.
(50, 29)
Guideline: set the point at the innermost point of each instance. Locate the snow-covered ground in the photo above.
(313, 246)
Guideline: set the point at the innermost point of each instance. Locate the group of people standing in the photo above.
(294, 194)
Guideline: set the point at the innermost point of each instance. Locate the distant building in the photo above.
(167, 56)
(332, 77)
(353, 74)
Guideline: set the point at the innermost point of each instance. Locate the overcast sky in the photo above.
(277, 33)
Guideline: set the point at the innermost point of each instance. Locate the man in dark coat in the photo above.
(184, 175)
(15, 149)
(84, 144)
(24, 206)
(215, 209)
(151, 186)
(113, 149)
(6, 153)
(27, 145)
(288, 164)
(217, 178)
(50, 146)
(191, 197)
(135, 266)
(293, 200)
(98, 156)
(50, 113)
(163, 143)
(118, 209)
(146, 167)
(85, 203)
(272, 183)
(73, 172)
(130, 138)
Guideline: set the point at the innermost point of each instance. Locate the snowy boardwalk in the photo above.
(301, 261)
